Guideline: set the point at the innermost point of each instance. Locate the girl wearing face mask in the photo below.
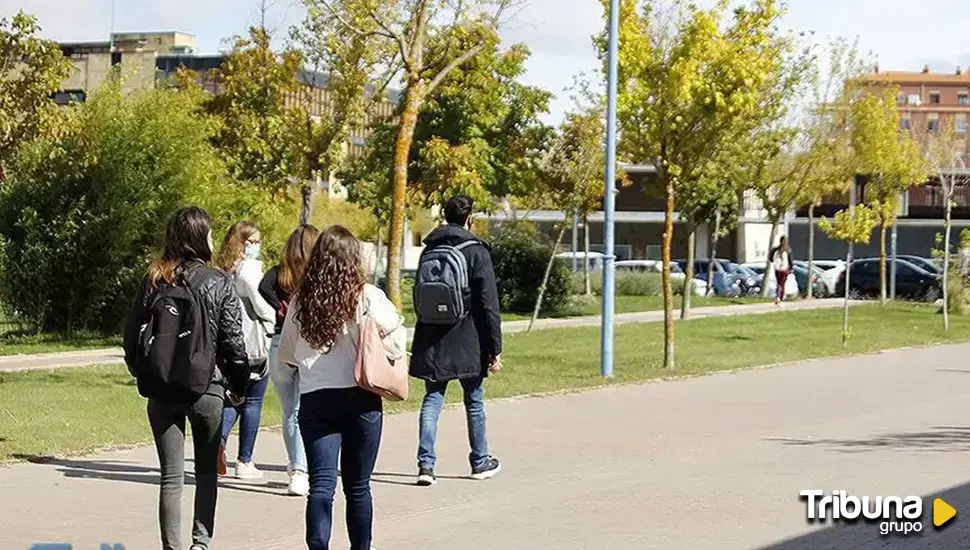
(239, 257)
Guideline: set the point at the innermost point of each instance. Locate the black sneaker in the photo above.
(487, 470)
(426, 477)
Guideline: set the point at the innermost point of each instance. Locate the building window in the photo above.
(961, 123)
(935, 98)
(963, 98)
(933, 124)
(115, 58)
(914, 99)
(66, 97)
(906, 123)
(901, 99)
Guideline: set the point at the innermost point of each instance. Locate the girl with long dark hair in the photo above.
(220, 359)
(277, 287)
(338, 418)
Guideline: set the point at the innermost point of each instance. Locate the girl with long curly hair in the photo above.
(338, 418)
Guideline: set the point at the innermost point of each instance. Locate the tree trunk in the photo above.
(377, 253)
(713, 257)
(586, 280)
(413, 97)
(845, 305)
(545, 278)
(689, 272)
(811, 252)
(848, 271)
(668, 237)
(575, 250)
(308, 192)
(946, 263)
(882, 262)
(769, 270)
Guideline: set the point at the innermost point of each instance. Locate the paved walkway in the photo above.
(111, 356)
(714, 462)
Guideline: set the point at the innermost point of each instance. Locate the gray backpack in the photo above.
(441, 285)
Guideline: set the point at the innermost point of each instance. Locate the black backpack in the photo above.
(441, 285)
(174, 361)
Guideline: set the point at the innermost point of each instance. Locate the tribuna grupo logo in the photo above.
(894, 514)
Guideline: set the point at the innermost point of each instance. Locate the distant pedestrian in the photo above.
(782, 264)
(277, 287)
(458, 335)
(239, 257)
(184, 346)
(338, 419)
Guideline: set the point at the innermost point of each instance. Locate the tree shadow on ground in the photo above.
(862, 535)
(938, 439)
(119, 470)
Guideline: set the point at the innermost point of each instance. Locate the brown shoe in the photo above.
(222, 468)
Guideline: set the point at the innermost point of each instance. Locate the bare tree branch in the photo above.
(326, 4)
(443, 73)
(390, 33)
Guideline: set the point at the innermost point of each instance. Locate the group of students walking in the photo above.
(206, 335)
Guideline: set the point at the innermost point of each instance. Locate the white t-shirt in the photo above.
(334, 368)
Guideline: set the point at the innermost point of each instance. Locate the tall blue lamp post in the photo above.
(609, 199)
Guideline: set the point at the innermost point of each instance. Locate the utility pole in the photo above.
(609, 200)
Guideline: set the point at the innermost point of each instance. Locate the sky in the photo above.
(902, 35)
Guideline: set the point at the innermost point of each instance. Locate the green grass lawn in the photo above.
(80, 410)
(52, 343)
(582, 306)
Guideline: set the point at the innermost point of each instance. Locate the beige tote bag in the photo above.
(373, 371)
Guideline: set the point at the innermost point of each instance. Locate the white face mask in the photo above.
(252, 251)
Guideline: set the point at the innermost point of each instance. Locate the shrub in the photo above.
(520, 259)
(628, 283)
(82, 213)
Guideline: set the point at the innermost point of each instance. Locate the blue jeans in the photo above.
(286, 380)
(344, 423)
(248, 413)
(434, 400)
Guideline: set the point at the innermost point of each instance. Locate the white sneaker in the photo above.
(247, 470)
(299, 483)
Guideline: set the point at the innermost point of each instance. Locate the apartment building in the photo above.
(929, 102)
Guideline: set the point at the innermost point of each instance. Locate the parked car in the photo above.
(677, 274)
(726, 279)
(831, 271)
(824, 282)
(595, 259)
(912, 281)
(791, 283)
(928, 264)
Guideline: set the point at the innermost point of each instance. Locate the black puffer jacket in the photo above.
(465, 350)
(223, 317)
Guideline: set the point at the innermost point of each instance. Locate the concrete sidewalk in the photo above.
(111, 356)
(707, 463)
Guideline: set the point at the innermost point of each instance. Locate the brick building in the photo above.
(928, 102)
(147, 58)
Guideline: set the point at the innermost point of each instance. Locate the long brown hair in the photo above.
(186, 240)
(298, 249)
(234, 245)
(331, 287)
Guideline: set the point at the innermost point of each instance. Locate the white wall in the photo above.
(753, 241)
